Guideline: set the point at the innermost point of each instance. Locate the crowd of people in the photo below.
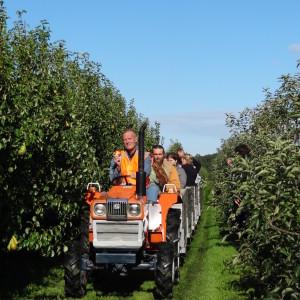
(176, 170)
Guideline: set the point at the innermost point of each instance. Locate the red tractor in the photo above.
(121, 231)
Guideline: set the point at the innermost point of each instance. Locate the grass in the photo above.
(202, 274)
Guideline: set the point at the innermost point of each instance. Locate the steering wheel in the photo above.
(119, 179)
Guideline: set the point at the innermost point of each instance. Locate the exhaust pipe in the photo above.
(141, 174)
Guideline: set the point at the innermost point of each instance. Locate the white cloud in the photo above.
(198, 132)
(294, 48)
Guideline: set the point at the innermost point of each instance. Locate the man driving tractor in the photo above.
(125, 162)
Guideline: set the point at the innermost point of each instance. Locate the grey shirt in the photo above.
(182, 176)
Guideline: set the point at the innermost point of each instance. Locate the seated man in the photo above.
(126, 162)
(163, 172)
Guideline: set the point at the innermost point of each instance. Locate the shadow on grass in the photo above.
(110, 283)
(19, 269)
(250, 284)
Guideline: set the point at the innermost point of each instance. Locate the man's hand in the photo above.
(133, 175)
(117, 159)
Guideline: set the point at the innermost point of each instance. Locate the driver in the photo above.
(125, 162)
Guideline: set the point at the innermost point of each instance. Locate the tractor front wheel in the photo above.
(165, 271)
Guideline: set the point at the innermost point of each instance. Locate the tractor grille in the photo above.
(116, 209)
(117, 231)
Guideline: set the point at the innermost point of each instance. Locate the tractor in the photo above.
(121, 232)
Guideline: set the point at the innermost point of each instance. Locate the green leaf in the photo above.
(17, 132)
(225, 237)
(290, 175)
(236, 260)
(283, 251)
(262, 172)
(297, 271)
(295, 116)
(287, 291)
(250, 291)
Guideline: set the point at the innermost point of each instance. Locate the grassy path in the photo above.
(202, 275)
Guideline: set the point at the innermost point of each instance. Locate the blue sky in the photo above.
(185, 63)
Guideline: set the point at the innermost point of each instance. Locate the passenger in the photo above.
(173, 159)
(229, 161)
(190, 170)
(162, 172)
(244, 151)
(180, 154)
(125, 162)
(195, 162)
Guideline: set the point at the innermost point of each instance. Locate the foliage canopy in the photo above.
(267, 220)
(60, 120)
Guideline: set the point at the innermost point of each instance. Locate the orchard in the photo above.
(266, 185)
(60, 120)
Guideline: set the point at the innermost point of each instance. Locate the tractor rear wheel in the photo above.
(165, 271)
(73, 283)
(85, 221)
(85, 243)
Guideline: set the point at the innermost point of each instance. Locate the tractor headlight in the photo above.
(99, 209)
(134, 210)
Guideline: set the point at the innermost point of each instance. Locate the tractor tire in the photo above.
(173, 227)
(73, 285)
(165, 271)
(84, 239)
(177, 263)
(85, 243)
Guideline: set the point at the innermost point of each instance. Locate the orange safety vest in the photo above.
(130, 166)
